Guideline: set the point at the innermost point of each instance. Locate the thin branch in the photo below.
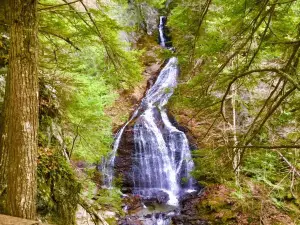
(267, 147)
(201, 19)
(210, 127)
(275, 70)
(74, 139)
(66, 39)
(274, 148)
(262, 38)
(100, 36)
(95, 29)
(229, 58)
(268, 115)
(289, 164)
(263, 107)
(280, 72)
(273, 109)
(285, 42)
(55, 6)
(280, 3)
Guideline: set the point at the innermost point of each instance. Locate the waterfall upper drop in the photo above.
(160, 156)
(162, 38)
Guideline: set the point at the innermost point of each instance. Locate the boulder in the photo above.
(133, 203)
(157, 196)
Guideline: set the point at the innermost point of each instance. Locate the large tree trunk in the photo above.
(20, 125)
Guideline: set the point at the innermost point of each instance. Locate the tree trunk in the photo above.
(20, 125)
(3, 153)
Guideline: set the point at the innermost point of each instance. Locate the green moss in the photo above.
(216, 204)
(58, 188)
(110, 199)
(227, 214)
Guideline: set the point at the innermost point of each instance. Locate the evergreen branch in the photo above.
(201, 19)
(95, 29)
(275, 70)
(66, 39)
(239, 48)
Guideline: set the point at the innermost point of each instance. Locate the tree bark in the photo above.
(20, 125)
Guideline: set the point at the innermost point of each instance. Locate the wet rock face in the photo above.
(144, 15)
(188, 133)
(150, 14)
(157, 196)
(123, 161)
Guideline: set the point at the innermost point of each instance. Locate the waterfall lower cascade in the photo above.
(161, 159)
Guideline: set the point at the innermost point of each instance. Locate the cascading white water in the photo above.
(161, 31)
(162, 154)
(161, 158)
(153, 168)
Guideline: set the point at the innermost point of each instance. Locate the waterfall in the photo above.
(161, 159)
(162, 38)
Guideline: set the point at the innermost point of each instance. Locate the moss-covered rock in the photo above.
(58, 188)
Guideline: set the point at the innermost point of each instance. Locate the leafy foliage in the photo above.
(83, 63)
(211, 167)
(239, 91)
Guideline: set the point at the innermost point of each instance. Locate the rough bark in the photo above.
(20, 125)
(3, 155)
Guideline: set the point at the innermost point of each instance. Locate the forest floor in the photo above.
(220, 204)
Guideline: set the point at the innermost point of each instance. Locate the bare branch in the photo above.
(286, 42)
(264, 106)
(279, 72)
(280, 3)
(267, 147)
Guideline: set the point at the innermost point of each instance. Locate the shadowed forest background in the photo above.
(73, 72)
